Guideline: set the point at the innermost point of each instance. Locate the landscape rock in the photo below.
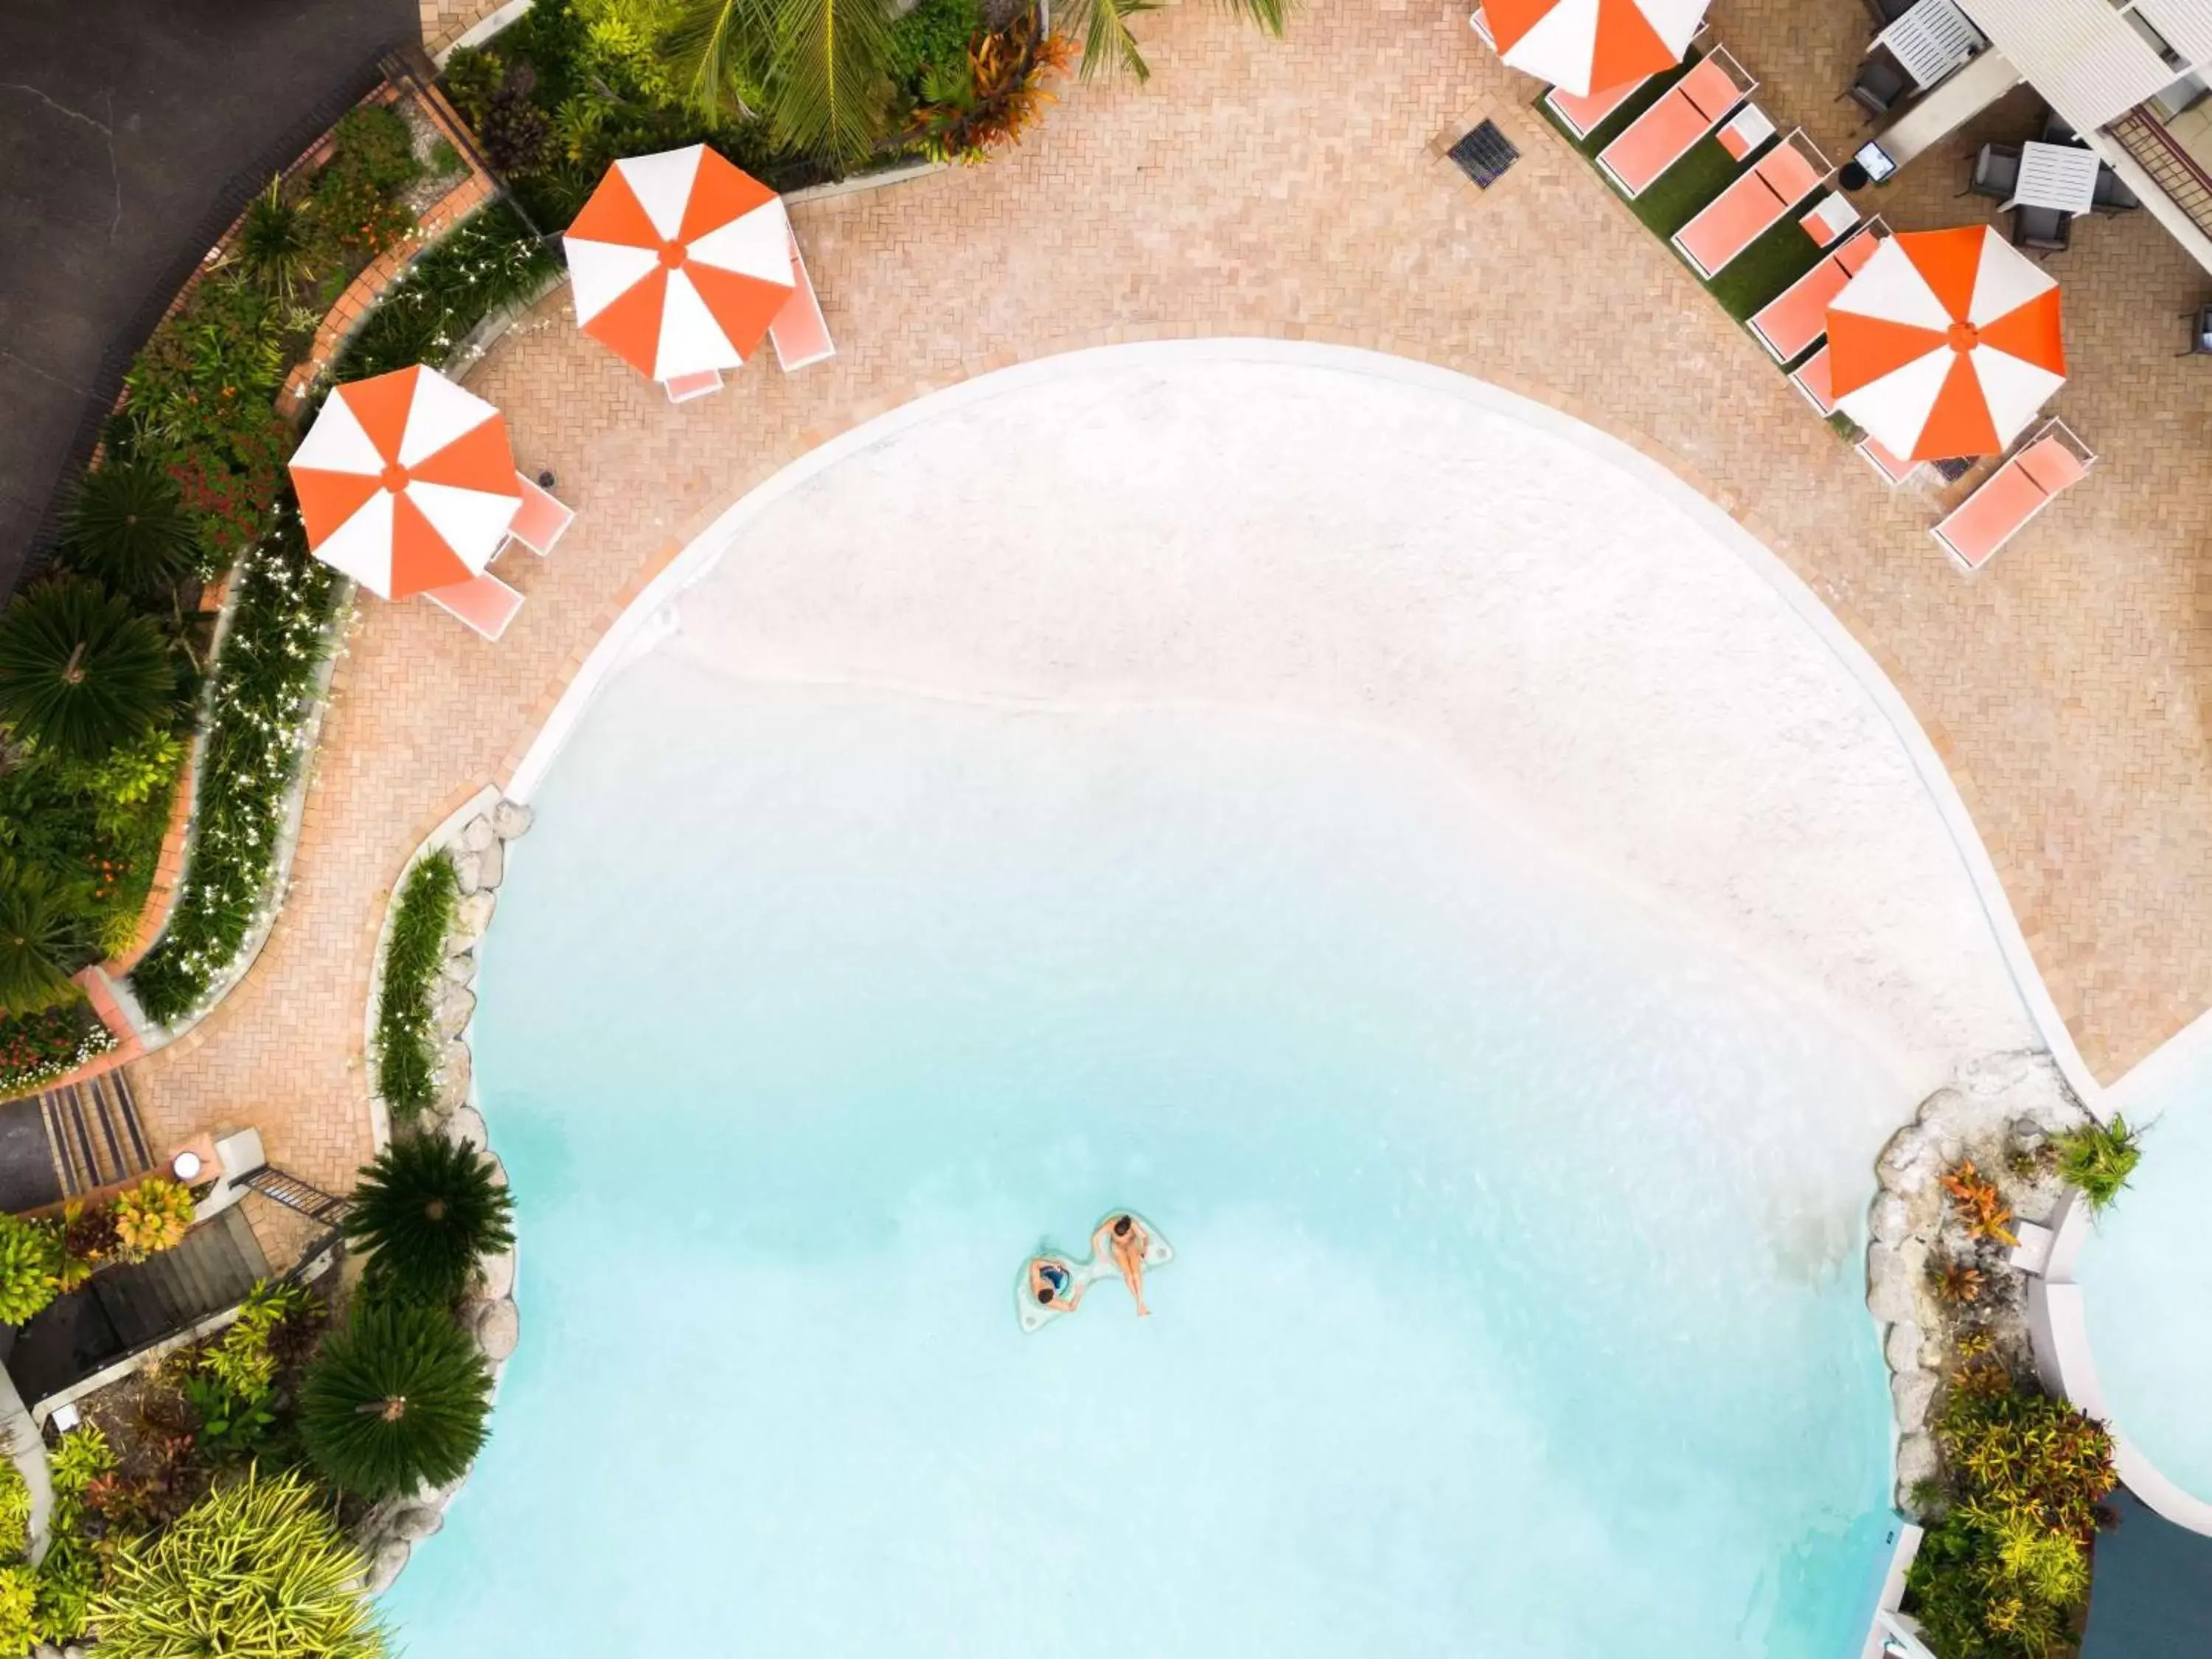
(1910, 1394)
(416, 1524)
(466, 1126)
(498, 1169)
(498, 1328)
(2028, 1137)
(491, 865)
(1890, 1220)
(476, 834)
(468, 872)
(1908, 1163)
(511, 819)
(453, 1073)
(471, 915)
(1889, 1284)
(1916, 1462)
(1901, 1348)
(453, 1007)
(460, 968)
(497, 1274)
(384, 1566)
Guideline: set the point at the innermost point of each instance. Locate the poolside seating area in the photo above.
(1669, 129)
(2046, 465)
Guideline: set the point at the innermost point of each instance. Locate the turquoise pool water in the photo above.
(2147, 1278)
(1516, 1306)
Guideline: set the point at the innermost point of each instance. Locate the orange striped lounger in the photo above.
(484, 603)
(2014, 492)
(1581, 117)
(1670, 129)
(1788, 325)
(1749, 207)
(1813, 385)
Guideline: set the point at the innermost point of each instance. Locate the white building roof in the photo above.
(2086, 58)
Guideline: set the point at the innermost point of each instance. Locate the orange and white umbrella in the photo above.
(1946, 343)
(406, 482)
(680, 261)
(1593, 45)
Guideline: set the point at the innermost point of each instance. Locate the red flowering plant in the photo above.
(37, 1048)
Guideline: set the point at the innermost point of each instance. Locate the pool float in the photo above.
(1034, 1316)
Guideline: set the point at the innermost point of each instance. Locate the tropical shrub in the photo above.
(425, 1210)
(153, 1216)
(14, 1512)
(2098, 1158)
(257, 1567)
(1979, 1204)
(406, 1057)
(81, 674)
(30, 1268)
(260, 702)
(37, 1048)
(935, 34)
(1956, 1281)
(80, 1457)
(41, 935)
(374, 139)
(275, 243)
(352, 219)
(995, 95)
(229, 1426)
(67, 1578)
(244, 1358)
(19, 1608)
(490, 261)
(128, 526)
(395, 1399)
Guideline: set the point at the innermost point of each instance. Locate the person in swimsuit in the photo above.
(1051, 1282)
(1126, 1241)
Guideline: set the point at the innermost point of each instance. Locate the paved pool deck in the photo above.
(1296, 190)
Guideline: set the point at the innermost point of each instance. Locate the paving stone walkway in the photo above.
(1294, 190)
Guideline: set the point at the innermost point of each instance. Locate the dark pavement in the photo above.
(2152, 1595)
(125, 128)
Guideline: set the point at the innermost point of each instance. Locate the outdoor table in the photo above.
(2059, 176)
(1931, 41)
(1959, 100)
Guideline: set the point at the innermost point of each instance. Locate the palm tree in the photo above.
(395, 1399)
(274, 240)
(81, 674)
(39, 931)
(817, 70)
(1110, 50)
(127, 525)
(427, 1209)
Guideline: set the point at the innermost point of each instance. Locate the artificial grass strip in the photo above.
(1769, 266)
(406, 1057)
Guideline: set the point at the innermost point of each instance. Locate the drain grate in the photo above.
(1952, 470)
(1485, 153)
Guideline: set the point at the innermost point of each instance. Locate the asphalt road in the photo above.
(122, 126)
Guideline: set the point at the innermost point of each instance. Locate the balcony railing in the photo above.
(2173, 169)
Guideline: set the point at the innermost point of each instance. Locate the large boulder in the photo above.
(1910, 1394)
(416, 1522)
(471, 915)
(454, 1070)
(498, 1328)
(1889, 1220)
(453, 1007)
(478, 833)
(1889, 1284)
(511, 820)
(496, 1274)
(466, 1126)
(384, 1567)
(491, 865)
(1902, 1347)
(468, 872)
(1916, 1462)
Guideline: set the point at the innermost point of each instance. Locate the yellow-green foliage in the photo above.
(15, 1509)
(19, 1608)
(79, 1458)
(154, 1216)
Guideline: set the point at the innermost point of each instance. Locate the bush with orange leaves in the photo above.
(1979, 1204)
(1002, 97)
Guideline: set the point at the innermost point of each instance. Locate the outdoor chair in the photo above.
(683, 388)
(486, 604)
(799, 332)
(2111, 195)
(2200, 332)
(1812, 384)
(1671, 128)
(1877, 87)
(1885, 12)
(542, 520)
(1893, 468)
(1581, 117)
(1996, 172)
(1480, 25)
(1788, 325)
(1752, 206)
(2057, 130)
(2046, 466)
(2046, 230)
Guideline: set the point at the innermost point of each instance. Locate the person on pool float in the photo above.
(1051, 1282)
(1126, 1241)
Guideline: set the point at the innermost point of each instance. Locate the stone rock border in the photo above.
(2001, 1112)
(477, 838)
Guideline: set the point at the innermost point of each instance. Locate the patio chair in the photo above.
(683, 388)
(1671, 128)
(2200, 332)
(2046, 230)
(542, 522)
(1581, 117)
(800, 334)
(1752, 206)
(486, 604)
(1788, 325)
(2111, 195)
(1996, 172)
(1812, 384)
(1885, 12)
(1877, 87)
(1893, 468)
(2057, 130)
(2039, 471)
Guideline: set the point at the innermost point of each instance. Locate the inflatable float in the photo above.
(1083, 1273)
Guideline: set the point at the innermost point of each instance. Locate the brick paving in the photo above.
(1292, 190)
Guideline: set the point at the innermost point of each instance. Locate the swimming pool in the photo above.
(1517, 1304)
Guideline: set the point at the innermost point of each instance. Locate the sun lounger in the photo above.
(1788, 325)
(800, 334)
(1581, 117)
(1744, 132)
(1670, 129)
(1480, 25)
(683, 388)
(2048, 464)
(1812, 384)
(484, 603)
(1894, 468)
(1752, 206)
(1832, 216)
(542, 522)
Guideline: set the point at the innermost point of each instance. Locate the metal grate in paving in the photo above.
(1485, 153)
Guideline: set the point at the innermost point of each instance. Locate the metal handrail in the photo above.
(2143, 121)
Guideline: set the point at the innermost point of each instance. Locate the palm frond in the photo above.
(719, 52)
(831, 89)
(1109, 48)
(1269, 15)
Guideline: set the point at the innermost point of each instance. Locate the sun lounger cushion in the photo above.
(2015, 494)
(1790, 323)
(1831, 217)
(683, 388)
(484, 603)
(1812, 379)
(799, 332)
(542, 522)
(1670, 129)
(1894, 468)
(1747, 210)
(1744, 131)
(1584, 116)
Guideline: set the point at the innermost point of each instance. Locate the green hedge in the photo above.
(406, 1053)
